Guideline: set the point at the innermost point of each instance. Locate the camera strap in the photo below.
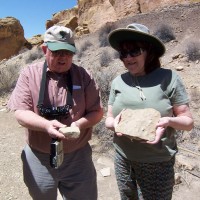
(69, 100)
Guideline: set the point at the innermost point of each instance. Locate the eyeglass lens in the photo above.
(61, 53)
(133, 53)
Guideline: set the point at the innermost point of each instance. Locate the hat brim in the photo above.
(54, 46)
(123, 34)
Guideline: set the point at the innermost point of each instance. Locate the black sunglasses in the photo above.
(133, 53)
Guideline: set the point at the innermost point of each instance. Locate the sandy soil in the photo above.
(11, 178)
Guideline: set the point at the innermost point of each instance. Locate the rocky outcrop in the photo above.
(90, 15)
(87, 17)
(11, 37)
(150, 5)
(68, 18)
(36, 40)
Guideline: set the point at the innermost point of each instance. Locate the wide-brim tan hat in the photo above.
(135, 32)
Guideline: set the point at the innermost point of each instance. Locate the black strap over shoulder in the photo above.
(42, 84)
(70, 89)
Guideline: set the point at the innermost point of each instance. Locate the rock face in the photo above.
(11, 37)
(68, 18)
(87, 17)
(90, 15)
(36, 40)
(139, 124)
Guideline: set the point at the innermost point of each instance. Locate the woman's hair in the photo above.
(152, 61)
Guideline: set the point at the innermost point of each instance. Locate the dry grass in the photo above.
(10, 69)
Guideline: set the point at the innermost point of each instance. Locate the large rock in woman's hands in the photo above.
(139, 124)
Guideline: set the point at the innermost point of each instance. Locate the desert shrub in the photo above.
(195, 95)
(105, 58)
(104, 78)
(8, 76)
(164, 33)
(193, 137)
(195, 134)
(103, 34)
(193, 51)
(82, 48)
(115, 55)
(105, 140)
(20, 56)
(33, 55)
(9, 73)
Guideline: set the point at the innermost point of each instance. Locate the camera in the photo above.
(56, 153)
(53, 112)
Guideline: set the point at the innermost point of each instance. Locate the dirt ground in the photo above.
(11, 178)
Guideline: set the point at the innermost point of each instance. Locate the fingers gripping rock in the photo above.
(72, 132)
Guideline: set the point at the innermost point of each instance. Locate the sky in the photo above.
(33, 14)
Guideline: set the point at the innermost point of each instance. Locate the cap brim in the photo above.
(119, 35)
(54, 46)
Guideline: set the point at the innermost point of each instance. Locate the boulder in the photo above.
(36, 40)
(11, 37)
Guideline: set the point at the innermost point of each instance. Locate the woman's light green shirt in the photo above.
(162, 88)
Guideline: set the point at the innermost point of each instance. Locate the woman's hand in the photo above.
(159, 134)
(116, 122)
(163, 122)
(111, 122)
(160, 129)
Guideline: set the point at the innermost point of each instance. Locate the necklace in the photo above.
(135, 84)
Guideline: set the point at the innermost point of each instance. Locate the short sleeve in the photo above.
(111, 99)
(178, 95)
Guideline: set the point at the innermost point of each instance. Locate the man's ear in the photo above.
(44, 48)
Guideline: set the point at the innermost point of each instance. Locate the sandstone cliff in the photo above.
(89, 15)
(11, 37)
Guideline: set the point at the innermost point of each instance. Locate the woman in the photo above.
(144, 170)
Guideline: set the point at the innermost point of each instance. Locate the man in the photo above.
(48, 96)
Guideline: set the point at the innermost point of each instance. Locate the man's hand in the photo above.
(52, 129)
(71, 132)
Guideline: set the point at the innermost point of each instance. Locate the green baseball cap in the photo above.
(59, 38)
